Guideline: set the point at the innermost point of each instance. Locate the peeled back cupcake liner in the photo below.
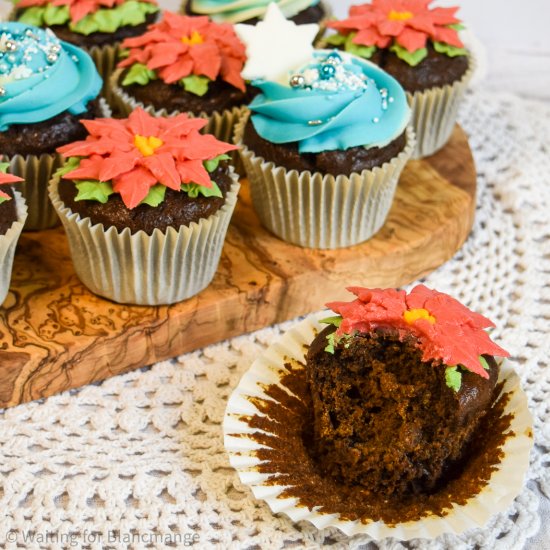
(8, 242)
(162, 268)
(36, 171)
(504, 485)
(220, 124)
(313, 210)
(434, 113)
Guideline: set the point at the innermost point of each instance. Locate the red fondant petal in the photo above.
(448, 36)
(193, 171)
(133, 186)
(163, 167)
(412, 40)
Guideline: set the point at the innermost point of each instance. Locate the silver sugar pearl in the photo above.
(376, 120)
(51, 57)
(55, 48)
(2, 92)
(297, 81)
(11, 46)
(390, 99)
(314, 122)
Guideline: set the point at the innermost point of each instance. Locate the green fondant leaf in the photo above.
(4, 167)
(336, 39)
(212, 164)
(331, 343)
(32, 16)
(56, 15)
(412, 58)
(4, 199)
(357, 49)
(139, 74)
(195, 84)
(134, 13)
(87, 25)
(91, 190)
(451, 51)
(155, 195)
(457, 26)
(336, 320)
(70, 164)
(484, 363)
(453, 378)
(193, 190)
(107, 20)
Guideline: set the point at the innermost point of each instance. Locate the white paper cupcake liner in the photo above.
(8, 242)
(162, 268)
(36, 171)
(504, 485)
(434, 113)
(316, 210)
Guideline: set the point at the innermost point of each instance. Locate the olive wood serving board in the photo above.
(56, 335)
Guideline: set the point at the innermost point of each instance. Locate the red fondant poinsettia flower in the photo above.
(7, 178)
(446, 330)
(138, 152)
(179, 46)
(77, 8)
(408, 23)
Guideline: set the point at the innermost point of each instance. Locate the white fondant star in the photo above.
(275, 46)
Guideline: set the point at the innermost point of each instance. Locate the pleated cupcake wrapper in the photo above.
(105, 59)
(37, 170)
(434, 113)
(504, 485)
(162, 268)
(8, 242)
(321, 211)
(221, 125)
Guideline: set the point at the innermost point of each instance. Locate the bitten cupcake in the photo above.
(421, 48)
(98, 26)
(13, 212)
(325, 143)
(251, 11)
(145, 202)
(184, 64)
(46, 88)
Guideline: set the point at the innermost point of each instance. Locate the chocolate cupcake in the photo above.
(399, 385)
(97, 26)
(46, 88)
(323, 152)
(146, 203)
(13, 212)
(184, 64)
(252, 11)
(421, 48)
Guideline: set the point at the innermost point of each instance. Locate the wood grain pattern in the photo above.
(56, 335)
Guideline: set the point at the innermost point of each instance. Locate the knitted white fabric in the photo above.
(143, 453)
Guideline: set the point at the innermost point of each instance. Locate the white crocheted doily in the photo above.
(143, 453)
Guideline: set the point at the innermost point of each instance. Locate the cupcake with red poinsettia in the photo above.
(420, 46)
(146, 202)
(184, 64)
(98, 26)
(13, 212)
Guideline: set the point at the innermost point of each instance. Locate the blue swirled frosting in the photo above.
(40, 76)
(237, 11)
(336, 101)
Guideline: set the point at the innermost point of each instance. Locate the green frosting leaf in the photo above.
(336, 39)
(139, 74)
(4, 167)
(332, 341)
(70, 164)
(447, 49)
(413, 58)
(357, 49)
(212, 164)
(453, 378)
(155, 195)
(195, 84)
(336, 320)
(193, 190)
(130, 13)
(91, 190)
(457, 26)
(56, 15)
(484, 363)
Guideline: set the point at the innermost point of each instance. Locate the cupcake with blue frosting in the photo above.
(323, 149)
(46, 88)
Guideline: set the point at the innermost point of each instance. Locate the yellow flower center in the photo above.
(413, 315)
(147, 145)
(400, 15)
(194, 39)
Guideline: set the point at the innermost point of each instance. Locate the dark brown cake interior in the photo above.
(387, 421)
(354, 159)
(313, 14)
(8, 211)
(176, 210)
(219, 97)
(100, 38)
(48, 135)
